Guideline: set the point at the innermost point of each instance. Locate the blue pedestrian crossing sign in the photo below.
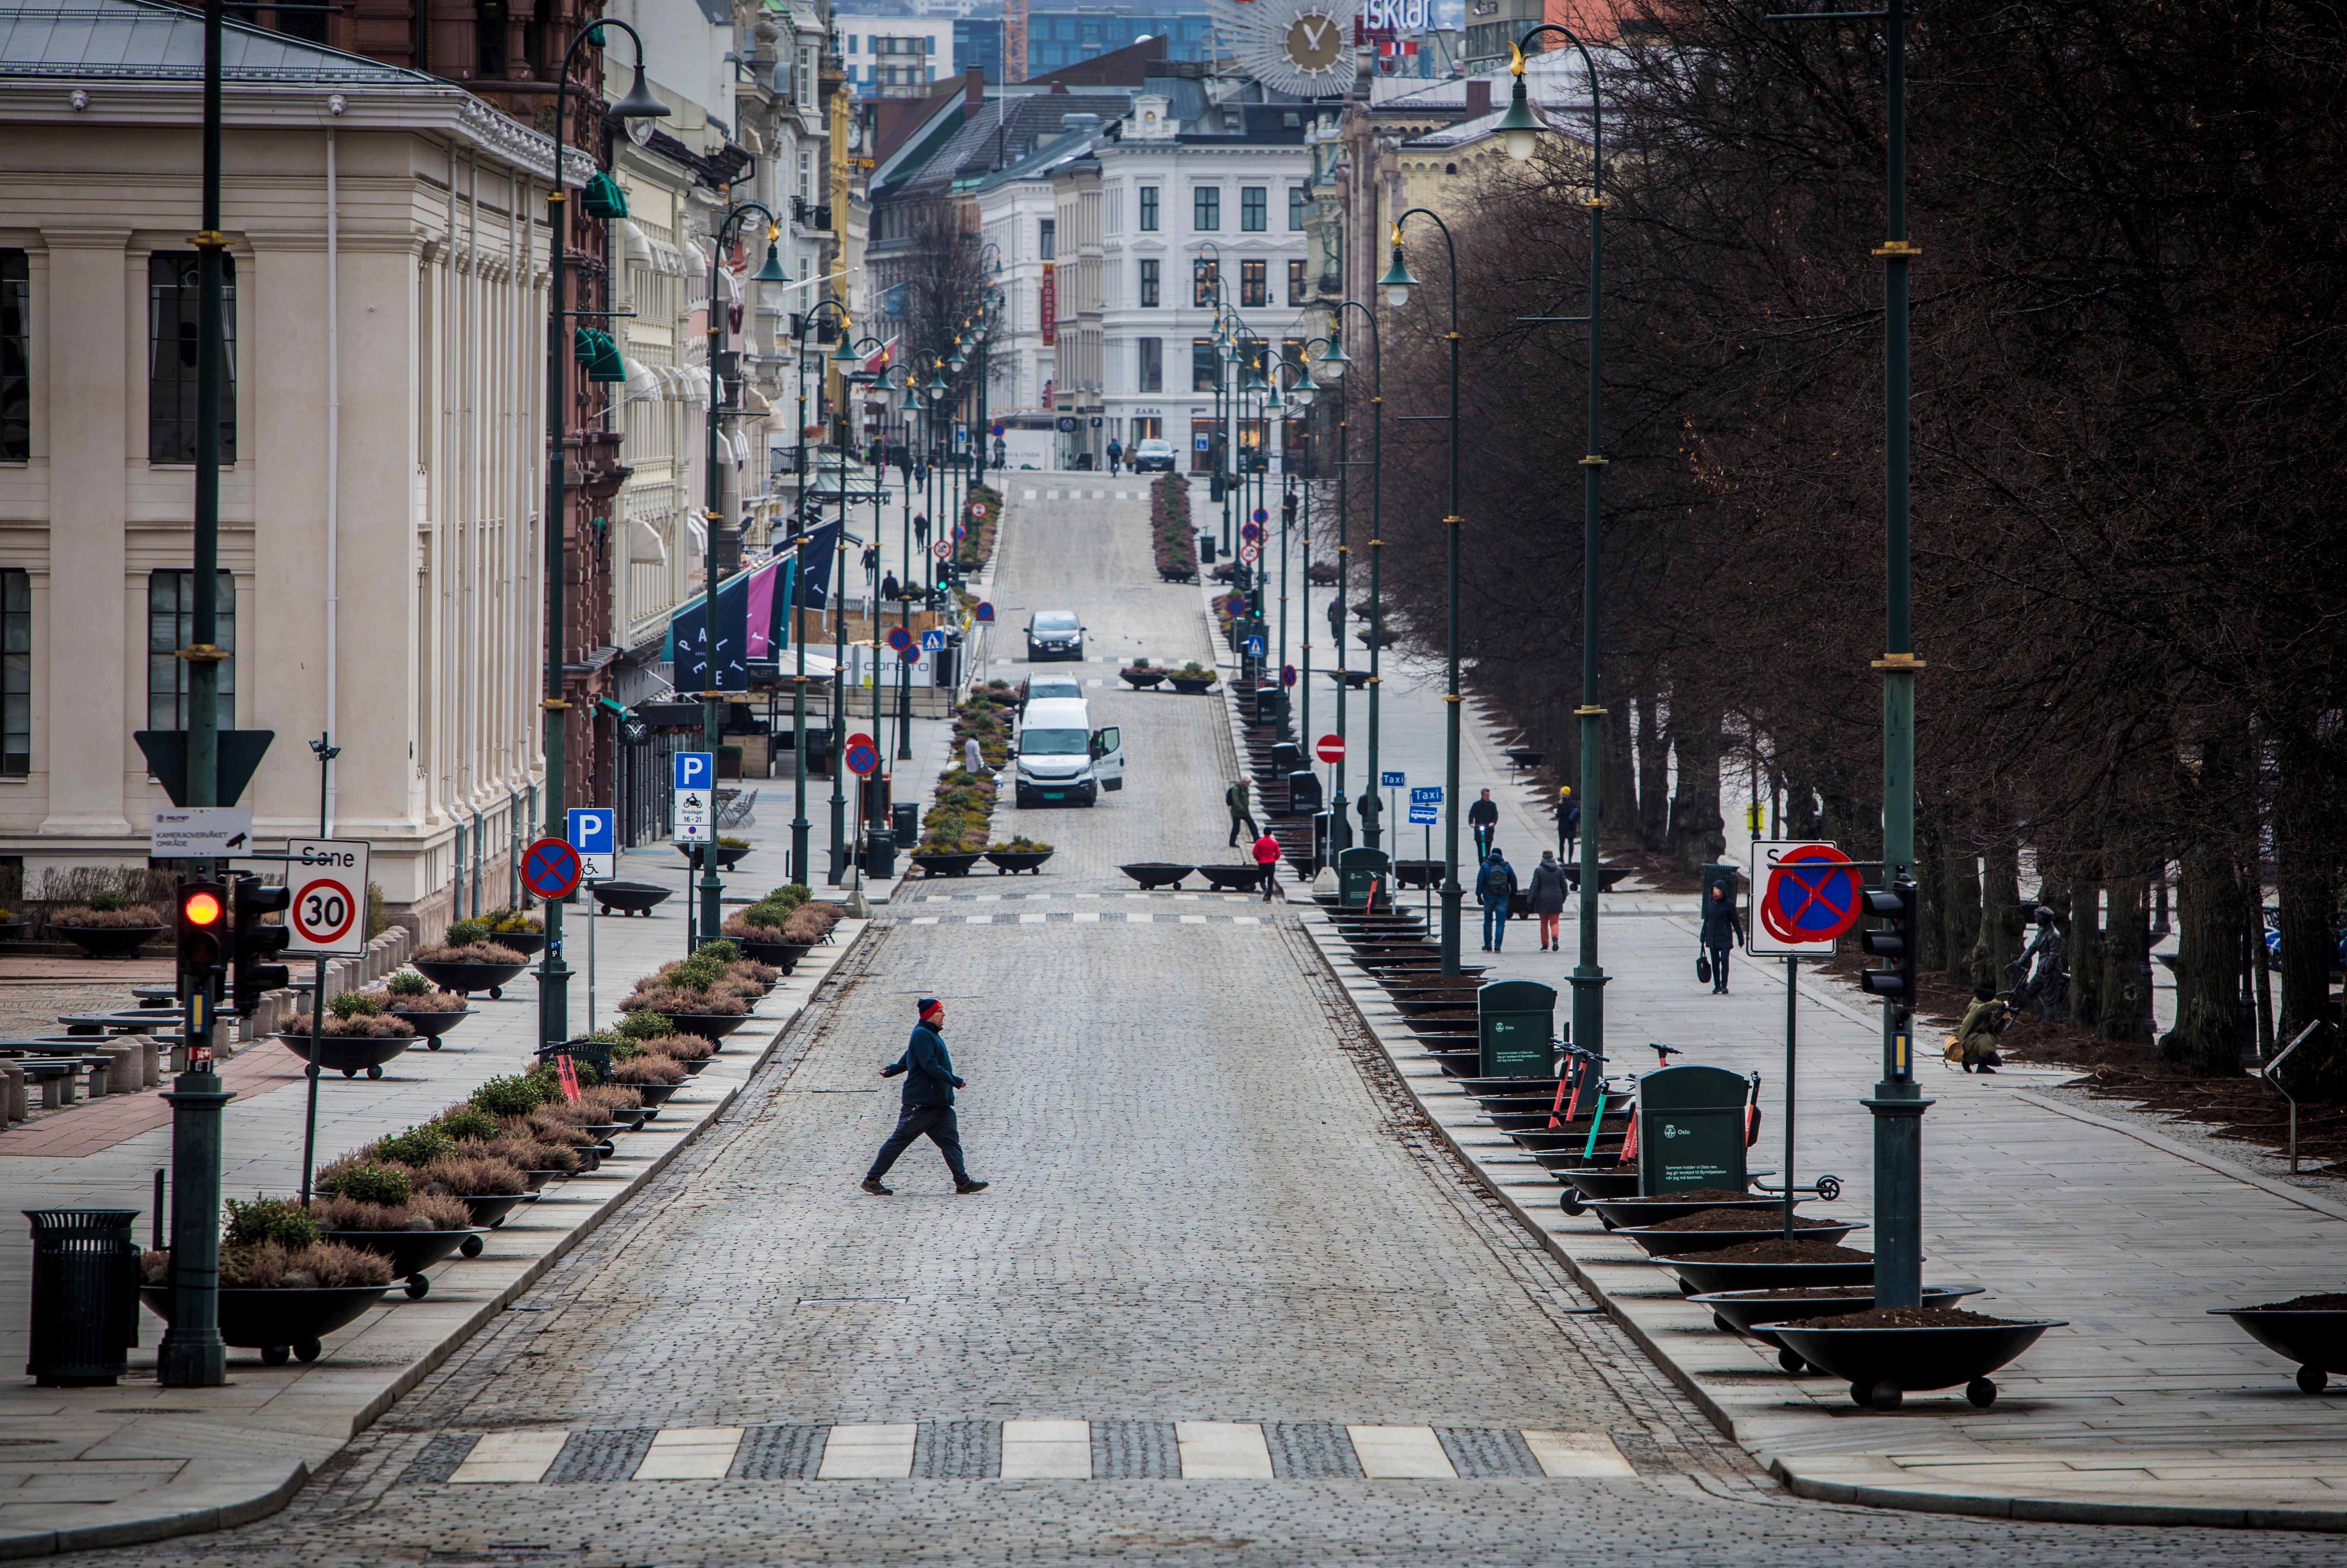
(1423, 814)
(1391, 780)
(1426, 795)
(1255, 647)
(933, 640)
(694, 770)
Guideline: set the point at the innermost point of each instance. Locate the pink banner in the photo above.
(761, 608)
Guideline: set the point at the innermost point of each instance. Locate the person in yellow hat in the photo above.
(1568, 825)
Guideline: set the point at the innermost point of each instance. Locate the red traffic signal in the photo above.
(257, 941)
(199, 918)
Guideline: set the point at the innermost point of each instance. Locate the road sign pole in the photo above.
(1792, 1013)
(317, 1050)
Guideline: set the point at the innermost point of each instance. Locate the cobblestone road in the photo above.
(1211, 1206)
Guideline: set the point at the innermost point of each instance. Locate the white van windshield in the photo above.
(1053, 742)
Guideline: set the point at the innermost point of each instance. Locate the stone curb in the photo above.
(133, 1526)
(1818, 1478)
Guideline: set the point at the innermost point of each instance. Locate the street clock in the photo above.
(1304, 47)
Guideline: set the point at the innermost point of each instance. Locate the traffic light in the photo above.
(1896, 943)
(256, 942)
(200, 917)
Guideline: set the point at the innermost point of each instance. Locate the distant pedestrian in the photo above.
(1548, 899)
(1484, 816)
(1266, 859)
(889, 588)
(1723, 929)
(1115, 454)
(1568, 823)
(1242, 809)
(871, 559)
(921, 529)
(972, 759)
(1495, 886)
(1976, 1038)
(929, 1107)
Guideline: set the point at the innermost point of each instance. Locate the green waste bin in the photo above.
(1691, 1123)
(879, 853)
(1363, 873)
(85, 1297)
(1515, 1022)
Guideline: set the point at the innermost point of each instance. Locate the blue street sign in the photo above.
(594, 829)
(1255, 647)
(1391, 780)
(1261, 515)
(694, 770)
(1426, 795)
(1424, 815)
(933, 640)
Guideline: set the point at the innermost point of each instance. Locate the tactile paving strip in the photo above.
(1483, 1451)
(1309, 1450)
(957, 1449)
(602, 1456)
(779, 1453)
(1135, 1451)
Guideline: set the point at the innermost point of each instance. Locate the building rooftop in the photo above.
(142, 41)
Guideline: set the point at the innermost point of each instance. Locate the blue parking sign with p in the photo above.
(594, 829)
(694, 770)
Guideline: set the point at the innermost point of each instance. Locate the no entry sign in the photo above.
(1807, 895)
(328, 880)
(1330, 748)
(551, 868)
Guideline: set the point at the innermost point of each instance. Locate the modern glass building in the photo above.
(1060, 35)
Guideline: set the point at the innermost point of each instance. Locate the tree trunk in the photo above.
(2306, 875)
(1619, 808)
(1962, 920)
(2126, 963)
(1802, 818)
(1999, 924)
(1931, 892)
(2085, 949)
(1653, 774)
(1697, 833)
(2206, 1039)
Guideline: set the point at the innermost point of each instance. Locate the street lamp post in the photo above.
(1398, 283)
(800, 826)
(1334, 362)
(1519, 130)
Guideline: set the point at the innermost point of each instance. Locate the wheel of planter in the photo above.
(1888, 1397)
(1787, 1360)
(418, 1288)
(308, 1350)
(2312, 1379)
(374, 1072)
(1982, 1392)
(1570, 1201)
(276, 1354)
(471, 1248)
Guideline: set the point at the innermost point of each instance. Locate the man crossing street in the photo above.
(1241, 810)
(929, 1106)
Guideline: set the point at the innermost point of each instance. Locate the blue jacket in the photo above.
(928, 1072)
(1496, 882)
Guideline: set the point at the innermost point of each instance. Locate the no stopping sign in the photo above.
(328, 880)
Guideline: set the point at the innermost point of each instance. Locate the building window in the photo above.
(1152, 365)
(1296, 282)
(1295, 210)
(17, 674)
(1206, 209)
(1251, 285)
(172, 306)
(1205, 365)
(1206, 277)
(15, 358)
(1149, 290)
(1047, 240)
(1149, 209)
(1253, 209)
(171, 626)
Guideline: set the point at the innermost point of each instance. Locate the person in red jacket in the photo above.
(1267, 856)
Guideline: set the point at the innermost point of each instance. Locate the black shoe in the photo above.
(872, 1184)
(1968, 1067)
(971, 1186)
(1990, 1071)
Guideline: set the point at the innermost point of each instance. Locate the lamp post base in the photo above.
(1897, 1108)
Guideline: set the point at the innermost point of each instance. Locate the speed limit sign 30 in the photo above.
(328, 880)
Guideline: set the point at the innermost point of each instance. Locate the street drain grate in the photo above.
(779, 1453)
(1135, 1451)
(1309, 1450)
(602, 1456)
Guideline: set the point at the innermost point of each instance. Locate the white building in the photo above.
(894, 56)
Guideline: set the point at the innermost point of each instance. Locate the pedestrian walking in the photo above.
(1266, 859)
(1548, 899)
(929, 1107)
(1115, 454)
(1568, 823)
(1242, 809)
(972, 758)
(1723, 929)
(1495, 886)
(921, 529)
(889, 588)
(1484, 816)
(871, 559)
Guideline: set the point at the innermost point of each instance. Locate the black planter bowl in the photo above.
(727, 855)
(430, 1026)
(1510, 1088)
(1142, 680)
(655, 1094)
(2317, 1341)
(708, 1025)
(1154, 873)
(490, 1209)
(1416, 873)
(1400, 928)
(1190, 685)
(630, 898)
(108, 941)
(1232, 879)
(1882, 1366)
(1700, 1276)
(1428, 1027)
(10, 930)
(1633, 1211)
(1523, 757)
(1352, 680)
(349, 1057)
(1557, 1161)
(1674, 1245)
(467, 978)
(538, 1179)
(280, 1324)
(783, 955)
(1011, 862)
(1608, 877)
(1585, 1183)
(944, 863)
(411, 1252)
(528, 943)
(1754, 1312)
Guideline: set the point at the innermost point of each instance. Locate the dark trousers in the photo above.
(935, 1120)
(1254, 832)
(1270, 880)
(1719, 968)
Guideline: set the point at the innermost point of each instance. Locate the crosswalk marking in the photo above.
(1223, 1450)
(1047, 1450)
(1030, 918)
(1194, 919)
(1402, 1453)
(690, 1453)
(1576, 1454)
(868, 1452)
(927, 919)
(510, 1456)
(1088, 917)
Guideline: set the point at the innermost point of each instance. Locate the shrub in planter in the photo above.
(430, 999)
(720, 951)
(468, 1175)
(358, 1026)
(467, 1124)
(669, 1002)
(272, 1266)
(647, 1029)
(422, 1212)
(366, 1182)
(354, 1004)
(416, 1146)
(524, 1153)
(648, 1067)
(268, 1220)
(790, 894)
(502, 920)
(1022, 845)
(464, 933)
(474, 952)
(519, 1094)
(100, 917)
(810, 924)
(405, 983)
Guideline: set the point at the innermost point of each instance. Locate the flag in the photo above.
(817, 549)
(880, 358)
(698, 663)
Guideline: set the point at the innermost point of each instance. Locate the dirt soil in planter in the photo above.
(2333, 1301)
(1701, 1195)
(1804, 1293)
(1782, 1251)
(1904, 1317)
(1740, 1220)
(1424, 1017)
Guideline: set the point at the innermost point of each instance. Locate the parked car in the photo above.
(1054, 634)
(1153, 455)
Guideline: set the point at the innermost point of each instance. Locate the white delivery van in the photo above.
(1060, 757)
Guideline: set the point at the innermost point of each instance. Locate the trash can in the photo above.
(1515, 1020)
(1303, 793)
(1321, 855)
(1286, 756)
(905, 820)
(879, 853)
(1364, 875)
(85, 1297)
(1206, 546)
(1693, 1126)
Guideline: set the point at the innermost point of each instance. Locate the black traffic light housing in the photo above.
(199, 921)
(1896, 942)
(256, 942)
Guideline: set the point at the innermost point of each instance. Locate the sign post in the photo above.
(693, 813)
(1806, 894)
(594, 834)
(1424, 803)
(327, 916)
